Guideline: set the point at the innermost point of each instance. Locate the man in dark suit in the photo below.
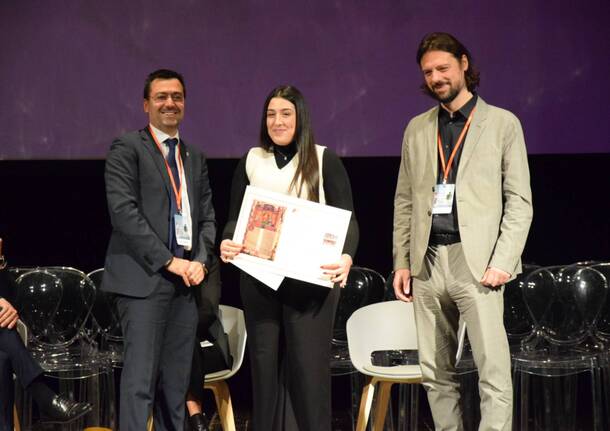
(160, 205)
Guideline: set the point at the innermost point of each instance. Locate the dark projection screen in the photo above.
(73, 70)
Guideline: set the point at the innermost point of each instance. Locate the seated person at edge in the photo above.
(16, 359)
(290, 330)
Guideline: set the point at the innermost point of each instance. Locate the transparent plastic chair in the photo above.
(55, 303)
(517, 320)
(564, 303)
(106, 322)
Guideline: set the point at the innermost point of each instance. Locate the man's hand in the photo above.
(338, 271)
(402, 285)
(179, 267)
(192, 272)
(229, 249)
(8, 314)
(195, 272)
(494, 277)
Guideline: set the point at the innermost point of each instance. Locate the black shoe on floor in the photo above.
(63, 410)
(198, 422)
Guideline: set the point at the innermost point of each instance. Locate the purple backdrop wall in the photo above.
(72, 70)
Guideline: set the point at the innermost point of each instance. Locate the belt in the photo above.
(444, 238)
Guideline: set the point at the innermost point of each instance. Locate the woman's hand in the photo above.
(229, 249)
(338, 271)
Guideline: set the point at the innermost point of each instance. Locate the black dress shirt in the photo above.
(450, 127)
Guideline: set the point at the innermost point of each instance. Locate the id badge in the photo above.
(183, 230)
(443, 198)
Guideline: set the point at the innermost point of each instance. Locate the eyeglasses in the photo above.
(162, 97)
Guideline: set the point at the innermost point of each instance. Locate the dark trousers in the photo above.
(289, 342)
(14, 359)
(158, 338)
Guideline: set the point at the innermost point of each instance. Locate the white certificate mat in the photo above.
(284, 236)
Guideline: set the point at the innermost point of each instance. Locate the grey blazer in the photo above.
(494, 201)
(138, 193)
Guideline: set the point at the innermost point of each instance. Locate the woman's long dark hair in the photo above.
(308, 169)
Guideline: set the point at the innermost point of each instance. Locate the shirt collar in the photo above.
(162, 136)
(464, 111)
(286, 150)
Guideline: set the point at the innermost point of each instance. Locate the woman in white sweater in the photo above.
(290, 330)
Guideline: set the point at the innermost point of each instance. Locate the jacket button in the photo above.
(429, 213)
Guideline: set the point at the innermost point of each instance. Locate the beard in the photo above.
(447, 98)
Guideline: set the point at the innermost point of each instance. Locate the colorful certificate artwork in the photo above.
(263, 230)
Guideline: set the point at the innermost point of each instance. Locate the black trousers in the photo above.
(14, 359)
(158, 340)
(289, 342)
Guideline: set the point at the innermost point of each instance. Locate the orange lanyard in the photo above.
(447, 165)
(177, 193)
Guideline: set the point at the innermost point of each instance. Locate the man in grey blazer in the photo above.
(462, 212)
(160, 205)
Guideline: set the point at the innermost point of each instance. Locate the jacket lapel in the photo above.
(474, 134)
(187, 162)
(431, 142)
(156, 156)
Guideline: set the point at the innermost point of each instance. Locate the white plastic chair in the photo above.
(235, 326)
(382, 326)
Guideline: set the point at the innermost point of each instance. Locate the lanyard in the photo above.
(447, 166)
(177, 193)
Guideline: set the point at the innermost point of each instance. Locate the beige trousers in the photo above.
(446, 291)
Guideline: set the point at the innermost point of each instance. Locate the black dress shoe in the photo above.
(198, 422)
(63, 410)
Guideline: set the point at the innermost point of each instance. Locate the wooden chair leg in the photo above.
(381, 405)
(16, 423)
(149, 425)
(223, 403)
(366, 399)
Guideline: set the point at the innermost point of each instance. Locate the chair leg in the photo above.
(149, 425)
(365, 403)
(223, 403)
(596, 392)
(381, 405)
(16, 420)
